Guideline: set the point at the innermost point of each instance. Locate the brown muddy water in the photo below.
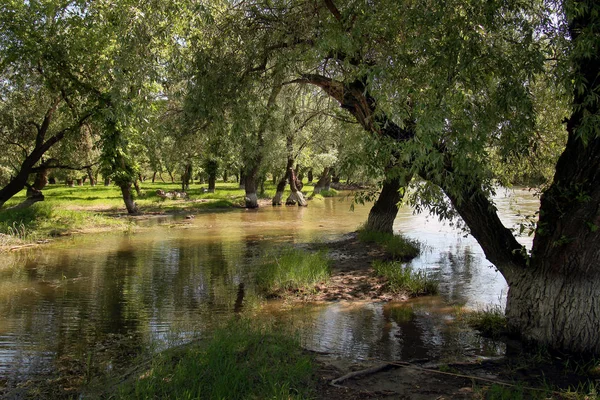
(90, 304)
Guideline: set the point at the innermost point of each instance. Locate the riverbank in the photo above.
(70, 211)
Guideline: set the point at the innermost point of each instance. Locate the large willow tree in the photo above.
(453, 90)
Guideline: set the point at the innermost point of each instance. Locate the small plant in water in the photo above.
(397, 246)
(292, 270)
(491, 321)
(402, 278)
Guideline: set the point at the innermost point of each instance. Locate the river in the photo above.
(92, 303)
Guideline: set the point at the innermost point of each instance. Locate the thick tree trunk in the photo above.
(41, 179)
(296, 197)
(79, 182)
(91, 176)
(558, 310)
(212, 168)
(106, 181)
(309, 175)
(132, 208)
(250, 187)
(324, 181)
(52, 180)
(384, 211)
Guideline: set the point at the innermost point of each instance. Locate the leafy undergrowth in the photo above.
(328, 193)
(399, 247)
(402, 278)
(292, 270)
(242, 360)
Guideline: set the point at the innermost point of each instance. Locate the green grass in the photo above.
(491, 322)
(292, 270)
(401, 278)
(240, 361)
(43, 220)
(397, 246)
(328, 193)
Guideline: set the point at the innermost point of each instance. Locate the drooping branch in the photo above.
(478, 212)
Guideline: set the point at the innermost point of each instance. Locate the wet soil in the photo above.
(352, 278)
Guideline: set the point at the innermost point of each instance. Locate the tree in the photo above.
(405, 71)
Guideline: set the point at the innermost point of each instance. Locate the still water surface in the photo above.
(91, 303)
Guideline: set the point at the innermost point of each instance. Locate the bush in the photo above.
(292, 270)
(402, 278)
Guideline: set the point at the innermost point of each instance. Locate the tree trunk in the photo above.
(91, 176)
(79, 182)
(212, 168)
(186, 177)
(132, 208)
(282, 182)
(136, 185)
(560, 311)
(250, 187)
(323, 182)
(242, 179)
(41, 179)
(106, 181)
(225, 175)
(309, 175)
(70, 183)
(154, 177)
(52, 180)
(296, 197)
(384, 211)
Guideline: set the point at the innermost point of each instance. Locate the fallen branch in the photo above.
(389, 364)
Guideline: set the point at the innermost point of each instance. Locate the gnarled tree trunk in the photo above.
(384, 211)
(324, 181)
(296, 196)
(132, 208)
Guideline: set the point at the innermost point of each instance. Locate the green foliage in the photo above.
(292, 270)
(240, 361)
(397, 246)
(402, 278)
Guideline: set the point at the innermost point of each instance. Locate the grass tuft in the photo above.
(239, 361)
(402, 278)
(328, 193)
(491, 322)
(397, 246)
(291, 271)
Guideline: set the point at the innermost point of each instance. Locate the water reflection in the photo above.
(92, 303)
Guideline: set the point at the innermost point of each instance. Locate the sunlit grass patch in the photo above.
(292, 270)
(240, 361)
(397, 246)
(402, 278)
